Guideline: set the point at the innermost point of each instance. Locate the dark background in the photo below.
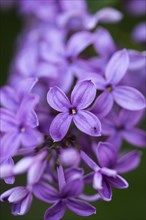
(129, 204)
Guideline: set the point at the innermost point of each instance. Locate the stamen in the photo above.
(22, 129)
(73, 111)
(109, 88)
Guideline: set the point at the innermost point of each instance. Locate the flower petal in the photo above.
(25, 205)
(4, 196)
(57, 99)
(80, 208)
(108, 15)
(128, 162)
(117, 67)
(116, 141)
(118, 182)
(97, 181)
(99, 81)
(18, 194)
(55, 212)
(78, 42)
(36, 171)
(83, 94)
(87, 123)
(73, 188)
(60, 125)
(89, 161)
(129, 98)
(9, 99)
(73, 173)
(45, 192)
(9, 163)
(90, 198)
(103, 104)
(61, 177)
(8, 120)
(135, 136)
(31, 137)
(23, 165)
(108, 172)
(105, 154)
(32, 119)
(105, 192)
(26, 84)
(9, 145)
(130, 118)
(103, 42)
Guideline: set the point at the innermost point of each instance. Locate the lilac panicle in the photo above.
(54, 58)
(82, 96)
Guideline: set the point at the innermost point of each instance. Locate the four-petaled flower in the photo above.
(65, 198)
(104, 176)
(125, 96)
(82, 96)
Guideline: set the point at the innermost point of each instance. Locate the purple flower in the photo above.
(82, 96)
(70, 157)
(103, 43)
(41, 9)
(11, 97)
(76, 16)
(20, 197)
(135, 76)
(122, 126)
(6, 168)
(139, 33)
(125, 96)
(104, 176)
(65, 198)
(33, 165)
(19, 128)
(135, 8)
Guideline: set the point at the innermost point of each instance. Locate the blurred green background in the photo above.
(127, 204)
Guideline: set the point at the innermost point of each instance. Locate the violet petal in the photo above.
(57, 99)
(83, 94)
(117, 67)
(80, 208)
(87, 123)
(60, 125)
(129, 98)
(55, 212)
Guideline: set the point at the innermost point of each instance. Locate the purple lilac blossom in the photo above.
(122, 126)
(104, 175)
(21, 199)
(19, 128)
(127, 97)
(139, 33)
(135, 7)
(82, 96)
(65, 198)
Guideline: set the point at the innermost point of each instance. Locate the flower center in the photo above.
(70, 59)
(109, 88)
(22, 129)
(73, 111)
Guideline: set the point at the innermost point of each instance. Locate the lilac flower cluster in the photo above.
(64, 111)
